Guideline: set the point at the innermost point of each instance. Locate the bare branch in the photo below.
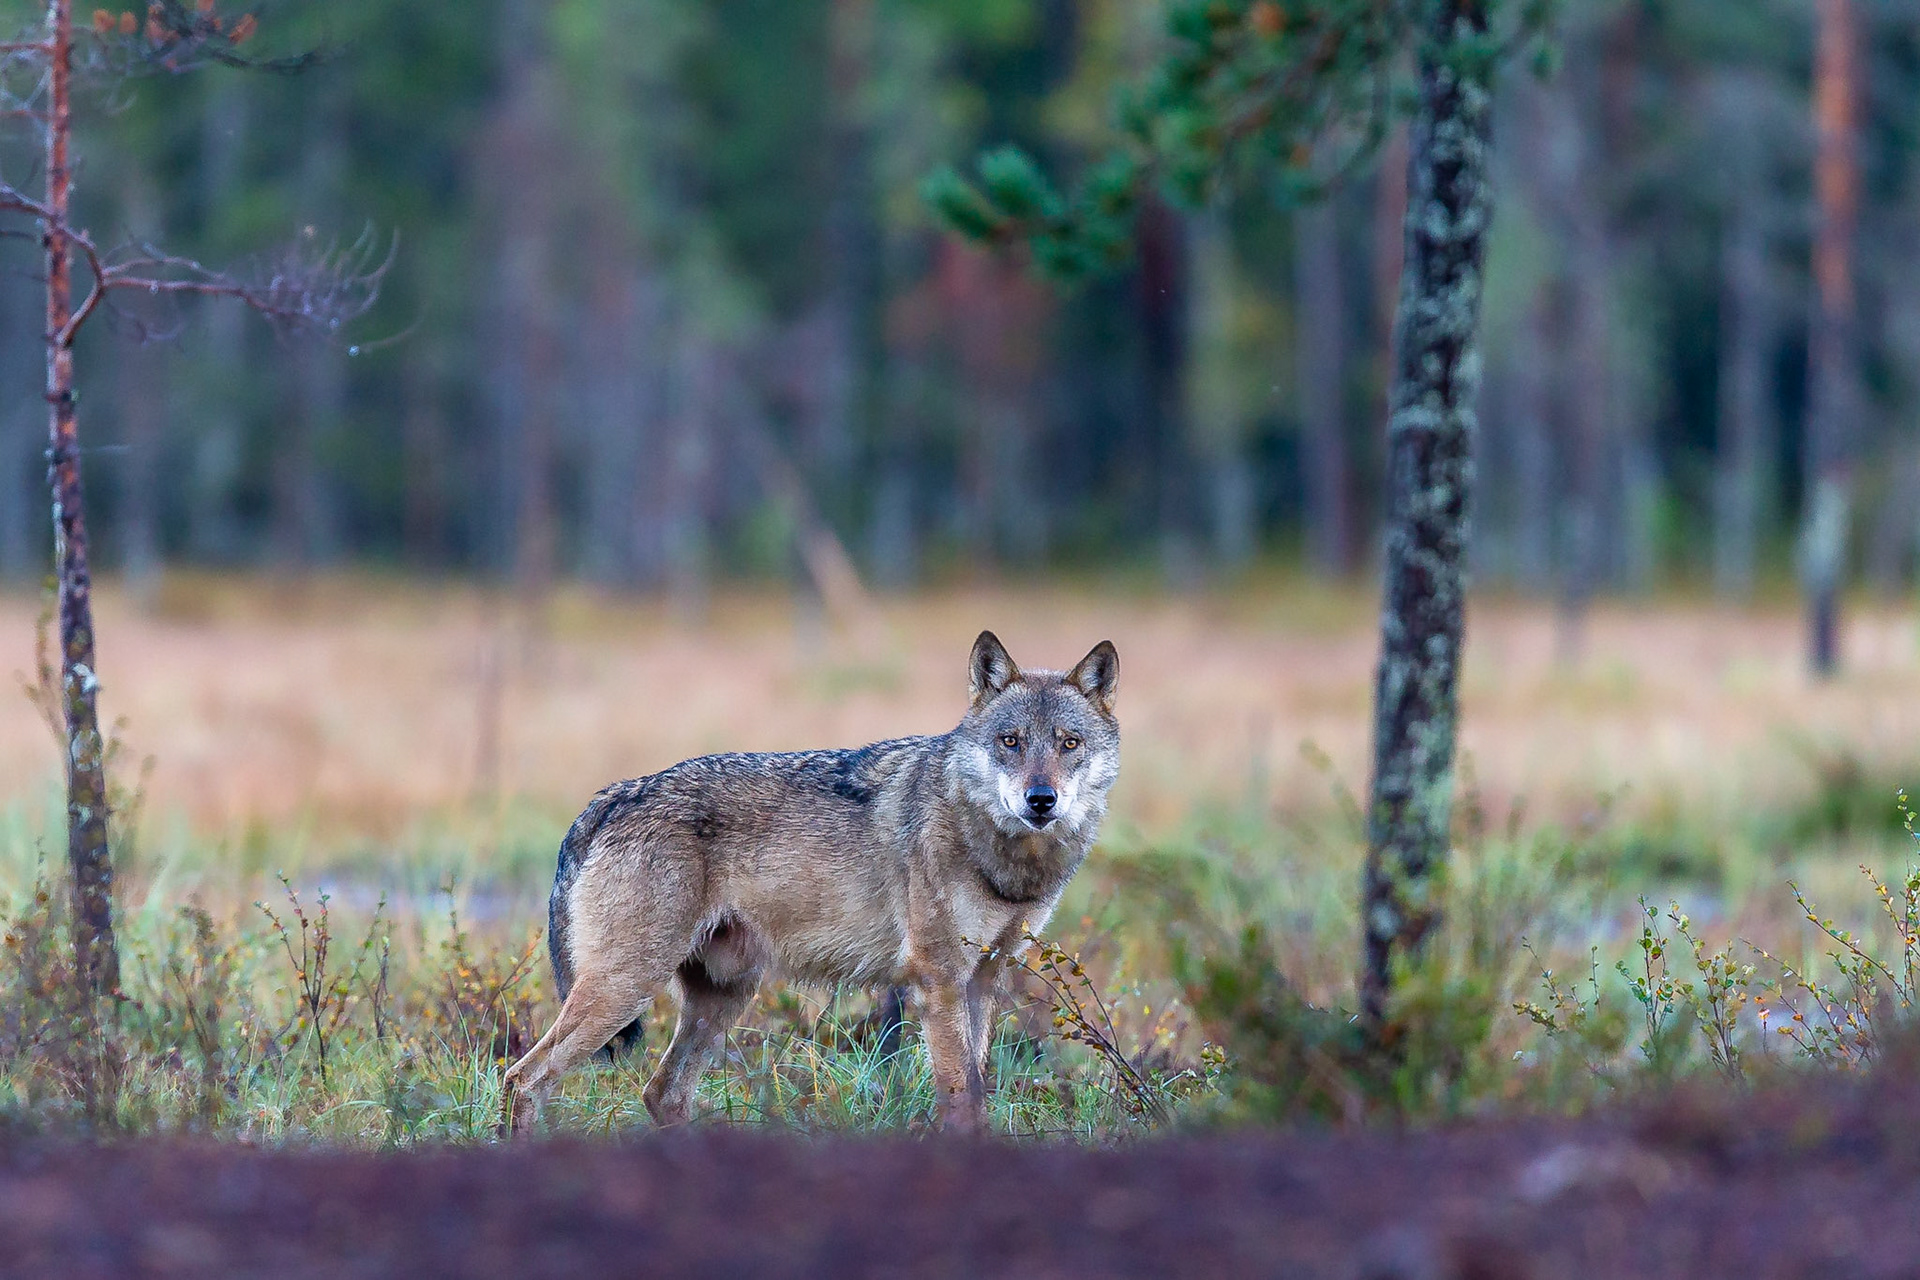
(18, 201)
(98, 291)
(309, 287)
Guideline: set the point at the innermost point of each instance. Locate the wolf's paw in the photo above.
(668, 1107)
(519, 1107)
(963, 1113)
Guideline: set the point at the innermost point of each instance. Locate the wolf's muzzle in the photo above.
(1040, 801)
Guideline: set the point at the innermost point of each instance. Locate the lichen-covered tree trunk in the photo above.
(1429, 482)
(87, 851)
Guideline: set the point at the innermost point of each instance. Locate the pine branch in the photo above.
(1304, 90)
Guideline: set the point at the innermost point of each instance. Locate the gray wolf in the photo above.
(919, 862)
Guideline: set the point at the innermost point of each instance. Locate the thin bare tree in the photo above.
(1833, 389)
(315, 286)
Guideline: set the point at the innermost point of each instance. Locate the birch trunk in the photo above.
(95, 953)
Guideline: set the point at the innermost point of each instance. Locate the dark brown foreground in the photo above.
(1759, 1186)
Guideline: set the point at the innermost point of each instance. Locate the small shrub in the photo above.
(1081, 1015)
(483, 1003)
(180, 1021)
(322, 991)
(1846, 1021)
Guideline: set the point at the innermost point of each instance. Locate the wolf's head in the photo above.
(1041, 748)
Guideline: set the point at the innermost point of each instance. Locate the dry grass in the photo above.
(351, 709)
(375, 737)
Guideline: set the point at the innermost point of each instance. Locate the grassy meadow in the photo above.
(340, 802)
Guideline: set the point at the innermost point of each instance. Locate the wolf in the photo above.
(918, 862)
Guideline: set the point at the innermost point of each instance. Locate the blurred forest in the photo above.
(668, 303)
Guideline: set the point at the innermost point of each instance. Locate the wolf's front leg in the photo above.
(957, 1077)
(983, 990)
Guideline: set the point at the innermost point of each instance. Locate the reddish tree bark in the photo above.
(1833, 399)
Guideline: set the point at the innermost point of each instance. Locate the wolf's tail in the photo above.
(574, 851)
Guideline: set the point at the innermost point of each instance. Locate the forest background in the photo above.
(659, 257)
(683, 426)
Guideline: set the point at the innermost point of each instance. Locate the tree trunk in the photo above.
(894, 518)
(997, 316)
(141, 382)
(536, 546)
(1529, 412)
(1429, 483)
(94, 951)
(1833, 399)
(686, 523)
(1389, 220)
(1160, 295)
(1320, 346)
(299, 518)
(1217, 414)
(217, 425)
(525, 177)
(306, 528)
(606, 370)
(1582, 406)
(1580, 362)
(836, 428)
(1743, 460)
(1891, 544)
(140, 377)
(423, 450)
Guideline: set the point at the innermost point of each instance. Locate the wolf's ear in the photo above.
(1098, 676)
(990, 670)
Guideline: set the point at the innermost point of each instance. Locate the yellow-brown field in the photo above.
(354, 708)
(383, 740)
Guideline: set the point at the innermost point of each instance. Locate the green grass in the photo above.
(1204, 978)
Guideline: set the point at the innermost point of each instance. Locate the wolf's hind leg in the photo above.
(598, 1006)
(708, 1010)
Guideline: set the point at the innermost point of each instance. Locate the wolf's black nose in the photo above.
(1040, 798)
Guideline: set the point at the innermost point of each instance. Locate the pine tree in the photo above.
(1296, 92)
(311, 287)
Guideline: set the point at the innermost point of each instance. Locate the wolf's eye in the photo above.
(1011, 741)
(1069, 742)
